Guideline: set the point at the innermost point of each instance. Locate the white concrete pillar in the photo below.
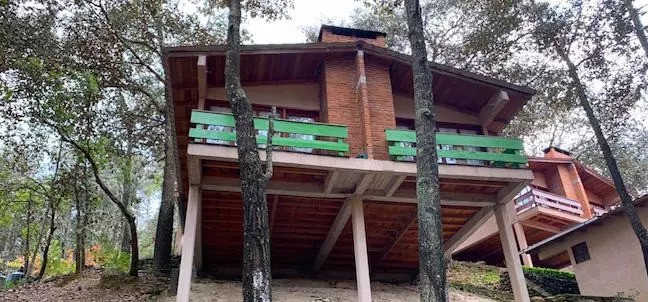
(522, 244)
(188, 243)
(511, 255)
(360, 250)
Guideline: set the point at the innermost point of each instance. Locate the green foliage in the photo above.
(111, 258)
(548, 272)
(57, 265)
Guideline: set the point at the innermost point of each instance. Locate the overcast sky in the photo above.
(305, 13)
(312, 12)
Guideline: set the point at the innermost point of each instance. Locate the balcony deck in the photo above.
(313, 180)
(547, 211)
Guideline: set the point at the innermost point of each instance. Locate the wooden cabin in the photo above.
(563, 193)
(342, 198)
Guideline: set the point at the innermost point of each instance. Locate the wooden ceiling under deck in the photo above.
(299, 226)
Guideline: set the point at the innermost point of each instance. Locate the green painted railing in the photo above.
(296, 135)
(471, 149)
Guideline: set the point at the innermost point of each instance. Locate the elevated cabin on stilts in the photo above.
(342, 199)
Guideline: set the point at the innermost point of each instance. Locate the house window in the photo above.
(581, 253)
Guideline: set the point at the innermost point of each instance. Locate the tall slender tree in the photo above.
(432, 266)
(256, 237)
(560, 32)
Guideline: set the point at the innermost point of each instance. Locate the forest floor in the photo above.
(299, 290)
(91, 285)
(467, 282)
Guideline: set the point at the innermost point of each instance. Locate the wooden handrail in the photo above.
(550, 200)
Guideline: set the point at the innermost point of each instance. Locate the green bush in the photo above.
(57, 266)
(112, 259)
(548, 272)
(552, 281)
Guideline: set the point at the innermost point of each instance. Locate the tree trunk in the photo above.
(26, 252)
(432, 266)
(164, 228)
(127, 187)
(638, 26)
(81, 219)
(610, 160)
(256, 238)
(132, 270)
(48, 240)
(130, 217)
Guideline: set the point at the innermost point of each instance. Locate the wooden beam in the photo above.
(331, 180)
(399, 235)
(202, 81)
(334, 232)
(506, 194)
(543, 227)
(360, 250)
(522, 244)
(273, 215)
(188, 244)
(494, 105)
(467, 230)
(312, 161)
(395, 185)
(364, 184)
(511, 254)
(194, 169)
(445, 201)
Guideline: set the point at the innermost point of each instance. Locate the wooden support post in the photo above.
(273, 215)
(198, 255)
(511, 256)
(188, 243)
(360, 250)
(522, 243)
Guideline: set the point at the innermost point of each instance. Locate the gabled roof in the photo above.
(330, 47)
(598, 220)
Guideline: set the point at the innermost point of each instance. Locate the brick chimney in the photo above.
(330, 33)
(555, 152)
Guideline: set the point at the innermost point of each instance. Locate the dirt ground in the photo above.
(291, 290)
(88, 287)
(91, 287)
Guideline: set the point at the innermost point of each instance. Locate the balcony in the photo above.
(478, 150)
(296, 136)
(537, 198)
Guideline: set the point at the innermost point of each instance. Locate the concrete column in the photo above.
(522, 243)
(360, 250)
(513, 265)
(188, 243)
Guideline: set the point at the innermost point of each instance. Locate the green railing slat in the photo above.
(280, 125)
(498, 150)
(277, 141)
(458, 154)
(458, 139)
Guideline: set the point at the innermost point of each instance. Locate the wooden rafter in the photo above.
(399, 235)
(334, 232)
(467, 230)
(494, 105)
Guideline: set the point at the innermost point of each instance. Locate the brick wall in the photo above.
(367, 109)
(381, 104)
(340, 100)
(328, 36)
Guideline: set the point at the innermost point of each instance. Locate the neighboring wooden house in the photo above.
(604, 253)
(563, 193)
(342, 199)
